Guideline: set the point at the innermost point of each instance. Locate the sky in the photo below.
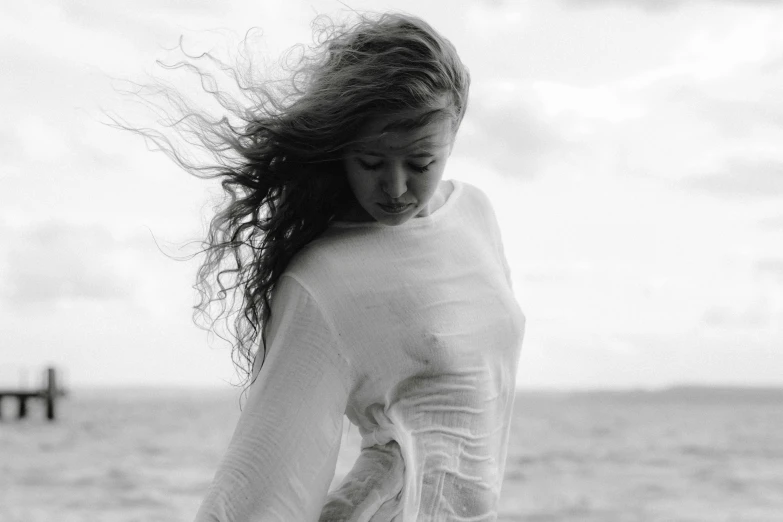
(631, 151)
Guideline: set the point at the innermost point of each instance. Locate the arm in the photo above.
(503, 259)
(282, 456)
(498, 240)
(491, 220)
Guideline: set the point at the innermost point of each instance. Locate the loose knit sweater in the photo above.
(413, 333)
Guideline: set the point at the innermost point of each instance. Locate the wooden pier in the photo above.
(49, 394)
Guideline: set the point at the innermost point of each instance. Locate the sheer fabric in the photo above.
(413, 333)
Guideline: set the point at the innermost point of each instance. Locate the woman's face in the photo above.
(394, 174)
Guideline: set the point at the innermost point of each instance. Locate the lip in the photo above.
(394, 209)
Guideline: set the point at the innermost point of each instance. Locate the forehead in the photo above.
(404, 131)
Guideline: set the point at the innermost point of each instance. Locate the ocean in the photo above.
(678, 455)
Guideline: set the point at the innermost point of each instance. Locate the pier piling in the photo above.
(49, 394)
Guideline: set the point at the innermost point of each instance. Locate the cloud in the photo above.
(507, 130)
(647, 5)
(774, 223)
(743, 177)
(754, 316)
(658, 5)
(55, 262)
(737, 117)
(771, 266)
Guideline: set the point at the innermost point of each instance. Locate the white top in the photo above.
(413, 333)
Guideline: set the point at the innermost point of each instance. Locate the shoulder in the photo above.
(475, 201)
(472, 196)
(472, 191)
(317, 258)
(323, 266)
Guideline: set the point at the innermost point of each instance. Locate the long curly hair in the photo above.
(279, 161)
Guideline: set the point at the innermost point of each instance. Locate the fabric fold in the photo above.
(372, 490)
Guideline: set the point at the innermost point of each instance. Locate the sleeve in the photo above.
(491, 221)
(282, 456)
(498, 240)
(503, 259)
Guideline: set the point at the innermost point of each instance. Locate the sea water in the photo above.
(149, 455)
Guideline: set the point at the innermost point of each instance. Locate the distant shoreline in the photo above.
(693, 392)
(674, 390)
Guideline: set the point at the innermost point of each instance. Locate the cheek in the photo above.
(431, 179)
(423, 187)
(360, 182)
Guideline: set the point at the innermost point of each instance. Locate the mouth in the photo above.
(394, 209)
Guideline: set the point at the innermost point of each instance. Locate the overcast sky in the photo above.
(632, 150)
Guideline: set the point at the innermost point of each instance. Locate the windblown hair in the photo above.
(280, 165)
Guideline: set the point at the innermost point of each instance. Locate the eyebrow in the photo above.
(380, 155)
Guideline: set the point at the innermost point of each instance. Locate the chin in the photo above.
(392, 221)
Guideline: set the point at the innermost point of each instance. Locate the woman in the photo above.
(373, 288)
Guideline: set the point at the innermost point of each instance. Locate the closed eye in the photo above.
(421, 168)
(376, 166)
(369, 166)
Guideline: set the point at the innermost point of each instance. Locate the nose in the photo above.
(395, 181)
